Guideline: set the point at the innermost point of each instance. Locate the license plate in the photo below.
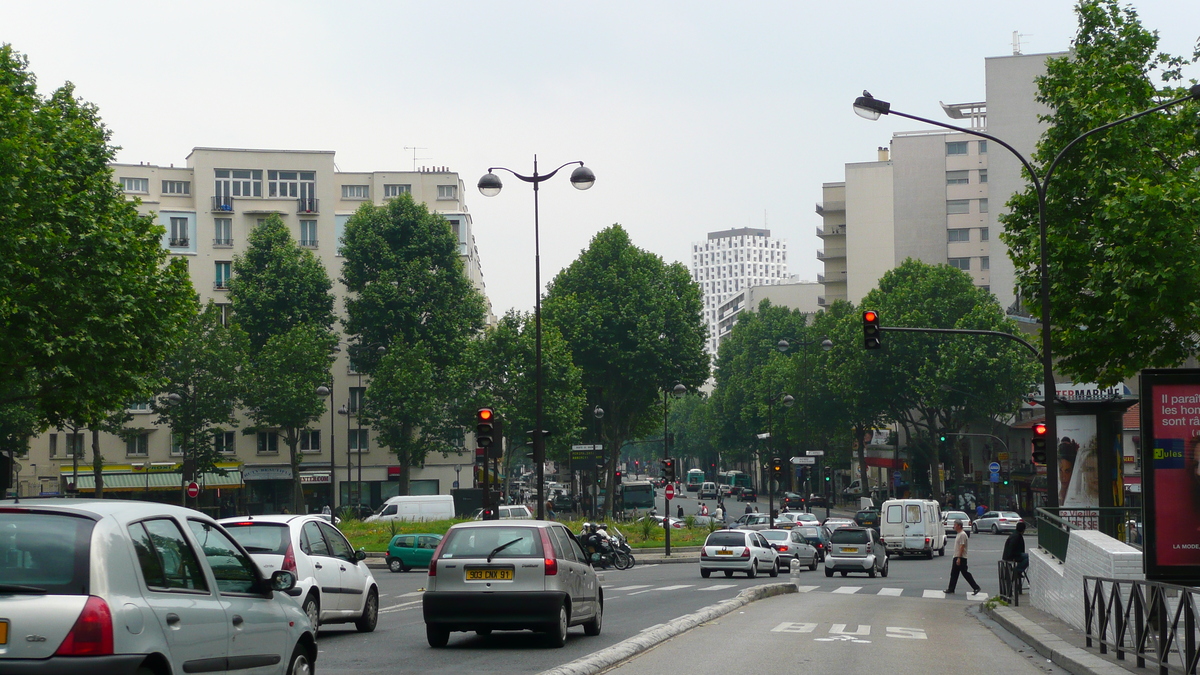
(849, 549)
(489, 575)
(3, 632)
(724, 552)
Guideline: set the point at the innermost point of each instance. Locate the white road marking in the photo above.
(400, 607)
(933, 594)
(806, 589)
(848, 590)
(908, 633)
(409, 595)
(664, 588)
(792, 627)
(646, 567)
(629, 588)
(891, 591)
(718, 587)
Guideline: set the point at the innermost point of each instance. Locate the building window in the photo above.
(176, 445)
(988, 289)
(985, 263)
(354, 400)
(223, 443)
(963, 264)
(983, 234)
(177, 187)
(310, 441)
(179, 231)
(138, 406)
(226, 310)
(356, 192)
(956, 148)
(983, 205)
(299, 184)
(137, 446)
(959, 234)
(447, 192)
(239, 182)
(396, 190)
(141, 185)
(983, 175)
(958, 177)
(221, 279)
(360, 440)
(958, 206)
(983, 147)
(268, 442)
(308, 233)
(454, 227)
(223, 232)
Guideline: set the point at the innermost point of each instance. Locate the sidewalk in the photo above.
(1059, 641)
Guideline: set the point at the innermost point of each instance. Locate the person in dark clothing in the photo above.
(1014, 549)
(680, 511)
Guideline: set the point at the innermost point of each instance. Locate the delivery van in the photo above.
(415, 507)
(912, 527)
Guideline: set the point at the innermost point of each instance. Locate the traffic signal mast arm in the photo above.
(955, 433)
(965, 331)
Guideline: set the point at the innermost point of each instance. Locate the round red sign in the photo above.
(669, 491)
(193, 489)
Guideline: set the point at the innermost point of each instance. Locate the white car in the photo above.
(948, 519)
(122, 586)
(334, 582)
(515, 512)
(732, 551)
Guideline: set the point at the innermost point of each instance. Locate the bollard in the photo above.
(794, 566)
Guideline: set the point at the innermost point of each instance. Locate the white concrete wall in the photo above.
(1057, 587)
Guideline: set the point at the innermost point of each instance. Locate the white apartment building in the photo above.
(207, 207)
(729, 262)
(801, 295)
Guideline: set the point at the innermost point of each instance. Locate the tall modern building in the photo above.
(729, 262)
(207, 208)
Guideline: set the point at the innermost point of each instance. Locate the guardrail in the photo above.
(1010, 582)
(1054, 525)
(1153, 620)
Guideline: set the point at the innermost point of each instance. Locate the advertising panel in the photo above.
(1078, 462)
(1170, 411)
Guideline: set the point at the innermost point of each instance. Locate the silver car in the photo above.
(856, 549)
(511, 575)
(791, 545)
(996, 522)
(732, 551)
(120, 586)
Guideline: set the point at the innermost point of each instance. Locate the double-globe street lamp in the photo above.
(678, 391)
(785, 344)
(582, 178)
(871, 108)
(787, 401)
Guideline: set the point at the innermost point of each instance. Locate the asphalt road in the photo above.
(636, 599)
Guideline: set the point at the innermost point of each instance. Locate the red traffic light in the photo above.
(1039, 429)
(870, 316)
(484, 414)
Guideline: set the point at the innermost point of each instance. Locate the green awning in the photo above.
(164, 480)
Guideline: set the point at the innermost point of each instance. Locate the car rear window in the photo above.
(45, 551)
(259, 537)
(845, 536)
(479, 542)
(1010, 514)
(726, 539)
(808, 531)
(775, 535)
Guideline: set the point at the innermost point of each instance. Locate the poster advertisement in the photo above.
(1171, 421)
(1078, 470)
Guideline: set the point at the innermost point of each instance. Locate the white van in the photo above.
(416, 507)
(708, 490)
(912, 527)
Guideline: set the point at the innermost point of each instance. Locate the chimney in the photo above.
(883, 153)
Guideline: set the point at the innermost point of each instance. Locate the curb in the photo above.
(627, 649)
(1063, 654)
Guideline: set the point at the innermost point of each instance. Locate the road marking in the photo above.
(847, 590)
(630, 588)
(400, 607)
(792, 627)
(664, 588)
(409, 595)
(806, 589)
(933, 594)
(891, 591)
(646, 567)
(718, 587)
(907, 633)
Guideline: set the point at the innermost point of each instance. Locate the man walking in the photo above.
(959, 565)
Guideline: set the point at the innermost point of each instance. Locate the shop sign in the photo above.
(251, 472)
(314, 477)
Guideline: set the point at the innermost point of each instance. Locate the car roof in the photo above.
(280, 518)
(508, 522)
(117, 508)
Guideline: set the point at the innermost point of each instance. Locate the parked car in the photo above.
(996, 522)
(121, 586)
(511, 575)
(854, 489)
(791, 545)
(856, 549)
(415, 507)
(817, 537)
(708, 490)
(336, 586)
(406, 551)
(516, 511)
(747, 494)
(675, 522)
(732, 551)
(948, 519)
(752, 521)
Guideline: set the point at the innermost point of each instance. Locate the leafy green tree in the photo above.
(281, 297)
(1121, 208)
(695, 430)
(634, 327)
(89, 302)
(407, 293)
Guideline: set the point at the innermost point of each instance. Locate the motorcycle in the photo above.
(607, 550)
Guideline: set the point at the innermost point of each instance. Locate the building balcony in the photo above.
(221, 285)
(820, 278)
(308, 243)
(831, 231)
(222, 243)
(308, 205)
(223, 203)
(831, 254)
(821, 301)
(830, 207)
(179, 241)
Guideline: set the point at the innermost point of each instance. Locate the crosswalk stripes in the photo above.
(718, 587)
(664, 588)
(929, 593)
(891, 591)
(630, 588)
(847, 590)
(806, 589)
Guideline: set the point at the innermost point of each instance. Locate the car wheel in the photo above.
(828, 572)
(753, 572)
(728, 574)
(942, 551)
(812, 567)
(974, 528)
(556, 636)
(704, 573)
(884, 571)
(592, 627)
(300, 663)
(312, 609)
(397, 565)
(437, 636)
(844, 573)
(370, 616)
(871, 572)
(995, 529)
(774, 569)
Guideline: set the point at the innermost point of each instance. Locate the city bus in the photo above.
(637, 494)
(695, 477)
(736, 479)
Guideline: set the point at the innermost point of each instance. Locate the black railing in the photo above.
(1010, 582)
(1154, 620)
(1054, 525)
(308, 205)
(179, 241)
(221, 285)
(309, 243)
(222, 242)
(222, 203)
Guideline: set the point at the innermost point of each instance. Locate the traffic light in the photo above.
(485, 420)
(871, 334)
(1038, 449)
(828, 473)
(777, 468)
(942, 436)
(618, 475)
(668, 466)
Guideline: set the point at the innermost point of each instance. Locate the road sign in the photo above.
(994, 478)
(669, 491)
(804, 460)
(597, 446)
(994, 467)
(815, 453)
(582, 454)
(1002, 456)
(896, 477)
(193, 489)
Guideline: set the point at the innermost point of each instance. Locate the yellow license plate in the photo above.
(849, 549)
(724, 552)
(3, 632)
(489, 575)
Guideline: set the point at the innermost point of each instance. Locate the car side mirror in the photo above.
(360, 554)
(284, 582)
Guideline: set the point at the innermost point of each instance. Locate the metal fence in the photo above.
(1010, 582)
(1153, 620)
(1054, 525)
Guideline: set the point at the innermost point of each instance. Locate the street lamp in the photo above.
(784, 345)
(871, 108)
(489, 185)
(345, 412)
(787, 401)
(678, 391)
(324, 391)
(598, 413)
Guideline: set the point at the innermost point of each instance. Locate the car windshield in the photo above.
(260, 537)
(44, 553)
(478, 542)
(726, 539)
(850, 537)
(775, 535)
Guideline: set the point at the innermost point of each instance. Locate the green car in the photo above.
(411, 550)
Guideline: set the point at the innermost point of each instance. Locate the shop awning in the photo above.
(132, 482)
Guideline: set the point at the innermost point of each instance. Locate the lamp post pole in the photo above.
(871, 108)
(324, 391)
(783, 346)
(345, 412)
(678, 391)
(787, 401)
(489, 185)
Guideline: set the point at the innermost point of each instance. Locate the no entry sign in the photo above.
(193, 490)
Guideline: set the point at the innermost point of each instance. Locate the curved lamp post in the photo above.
(871, 108)
(489, 185)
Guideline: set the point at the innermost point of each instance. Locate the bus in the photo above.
(695, 477)
(736, 479)
(637, 494)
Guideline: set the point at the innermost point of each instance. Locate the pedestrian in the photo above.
(680, 511)
(719, 514)
(748, 509)
(704, 509)
(1014, 549)
(550, 509)
(980, 509)
(959, 564)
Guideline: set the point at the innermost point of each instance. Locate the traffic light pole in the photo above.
(670, 480)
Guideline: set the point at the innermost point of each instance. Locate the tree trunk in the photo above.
(97, 464)
(293, 441)
(860, 435)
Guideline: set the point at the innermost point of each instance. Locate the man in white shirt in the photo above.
(959, 565)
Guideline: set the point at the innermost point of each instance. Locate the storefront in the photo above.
(269, 488)
(160, 482)
(318, 488)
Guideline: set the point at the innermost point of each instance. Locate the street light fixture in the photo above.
(489, 185)
(871, 108)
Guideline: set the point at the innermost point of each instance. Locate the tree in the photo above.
(407, 293)
(281, 296)
(634, 327)
(1121, 210)
(695, 431)
(89, 303)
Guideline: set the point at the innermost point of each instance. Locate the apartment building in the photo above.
(729, 262)
(207, 207)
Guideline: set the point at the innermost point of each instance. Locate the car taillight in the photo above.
(551, 560)
(746, 552)
(783, 548)
(289, 561)
(436, 554)
(926, 541)
(92, 634)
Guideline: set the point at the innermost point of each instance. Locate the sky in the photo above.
(695, 116)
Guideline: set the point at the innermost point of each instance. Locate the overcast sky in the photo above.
(695, 117)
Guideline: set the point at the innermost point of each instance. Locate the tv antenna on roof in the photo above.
(415, 158)
(1017, 42)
